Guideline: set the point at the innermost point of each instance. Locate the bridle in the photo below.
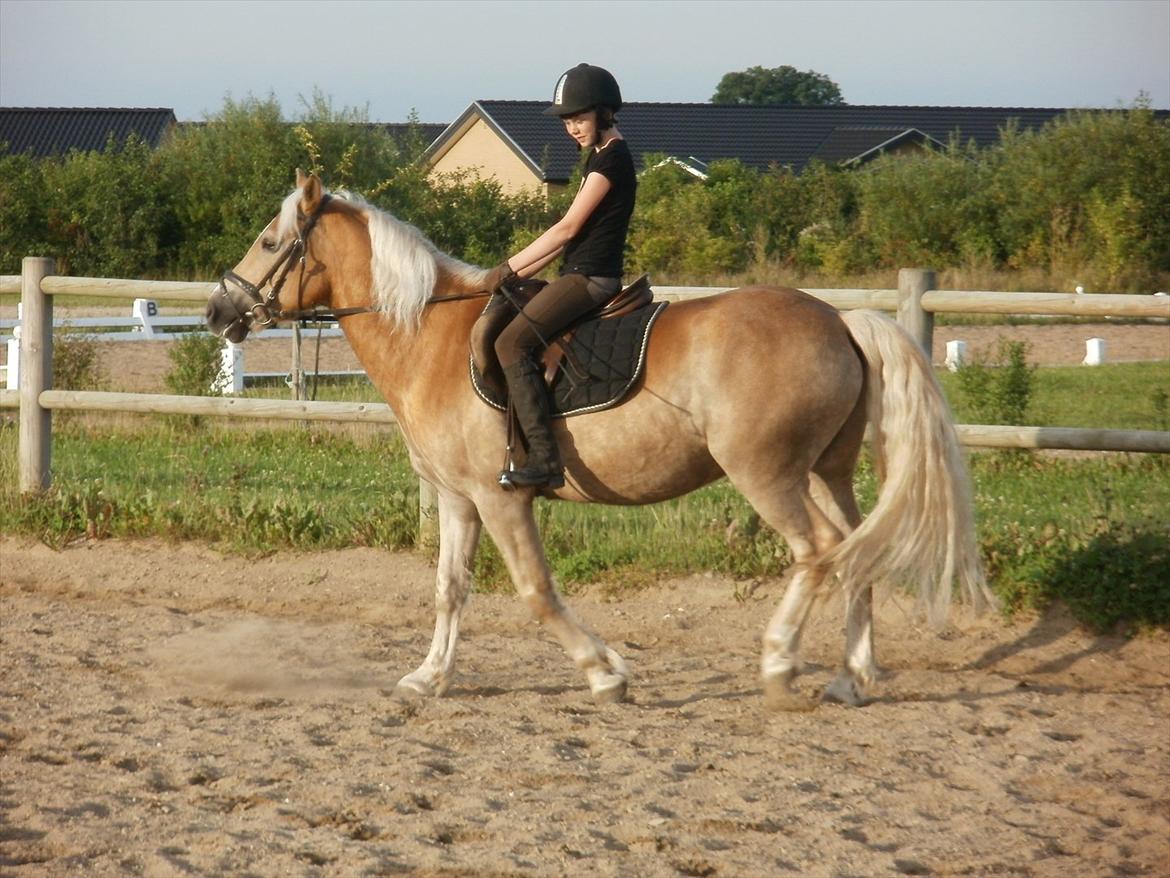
(265, 310)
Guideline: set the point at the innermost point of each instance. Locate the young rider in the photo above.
(591, 237)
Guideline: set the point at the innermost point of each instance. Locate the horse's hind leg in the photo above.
(510, 521)
(459, 530)
(789, 509)
(852, 683)
(831, 486)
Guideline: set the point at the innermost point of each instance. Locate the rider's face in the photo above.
(582, 127)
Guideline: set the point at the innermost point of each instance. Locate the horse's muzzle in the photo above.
(224, 318)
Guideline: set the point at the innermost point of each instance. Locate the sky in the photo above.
(389, 59)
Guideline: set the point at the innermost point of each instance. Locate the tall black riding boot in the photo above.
(529, 395)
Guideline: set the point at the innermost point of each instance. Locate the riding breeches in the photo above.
(551, 310)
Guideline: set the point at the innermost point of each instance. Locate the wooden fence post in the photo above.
(428, 516)
(36, 375)
(296, 381)
(912, 284)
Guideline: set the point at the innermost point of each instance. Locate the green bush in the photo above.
(24, 225)
(1085, 199)
(76, 362)
(195, 364)
(1087, 196)
(998, 391)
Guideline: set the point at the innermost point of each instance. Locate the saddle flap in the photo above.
(637, 295)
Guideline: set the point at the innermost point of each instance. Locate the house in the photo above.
(513, 142)
(45, 131)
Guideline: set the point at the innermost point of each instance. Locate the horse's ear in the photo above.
(310, 187)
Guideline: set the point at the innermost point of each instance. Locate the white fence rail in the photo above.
(915, 300)
(147, 323)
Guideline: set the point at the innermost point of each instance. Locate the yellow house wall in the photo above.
(481, 149)
(906, 148)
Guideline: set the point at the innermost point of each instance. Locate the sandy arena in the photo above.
(166, 711)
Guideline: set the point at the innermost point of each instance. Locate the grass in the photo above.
(1090, 530)
(245, 487)
(1117, 396)
(1093, 533)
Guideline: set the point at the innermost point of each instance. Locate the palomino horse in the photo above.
(767, 386)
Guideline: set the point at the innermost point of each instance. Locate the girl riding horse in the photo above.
(592, 238)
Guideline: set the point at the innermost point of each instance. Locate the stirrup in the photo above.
(512, 479)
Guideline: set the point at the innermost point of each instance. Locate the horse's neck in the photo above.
(405, 363)
(408, 365)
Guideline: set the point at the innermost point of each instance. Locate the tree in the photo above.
(778, 85)
(226, 178)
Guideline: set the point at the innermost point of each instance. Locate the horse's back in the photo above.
(775, 328)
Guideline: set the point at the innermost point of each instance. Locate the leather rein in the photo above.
(266, 310)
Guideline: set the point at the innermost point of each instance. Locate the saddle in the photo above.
(589, 366)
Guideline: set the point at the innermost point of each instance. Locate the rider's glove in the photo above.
(498, 276)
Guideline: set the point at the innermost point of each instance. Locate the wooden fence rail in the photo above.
(915, 301)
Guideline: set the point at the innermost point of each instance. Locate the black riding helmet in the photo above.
(582, 88)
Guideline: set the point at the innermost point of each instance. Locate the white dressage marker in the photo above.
(1094, 352)
(956, 355)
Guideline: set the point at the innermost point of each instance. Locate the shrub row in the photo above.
(1087, 197)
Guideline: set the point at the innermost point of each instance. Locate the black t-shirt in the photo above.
(598, 249)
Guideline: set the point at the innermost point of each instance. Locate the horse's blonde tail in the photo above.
(921, 531)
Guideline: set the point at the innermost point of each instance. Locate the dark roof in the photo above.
(400, 131)
(44, 131)
(758, 136)
(857, 143)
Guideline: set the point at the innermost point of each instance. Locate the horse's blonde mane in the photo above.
(289, 208)
(405, 265)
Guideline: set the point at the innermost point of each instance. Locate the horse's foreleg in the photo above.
(514, 531)
(459, 529)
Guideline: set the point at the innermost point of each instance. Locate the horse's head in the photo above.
(281, 276)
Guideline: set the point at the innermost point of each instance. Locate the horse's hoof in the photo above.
(845, 690)
(412, 691)
(779, 695)
(407, 695)
(611, 692)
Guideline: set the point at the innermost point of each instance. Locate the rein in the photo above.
(317, 313)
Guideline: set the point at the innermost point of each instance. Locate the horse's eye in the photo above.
(269, 244)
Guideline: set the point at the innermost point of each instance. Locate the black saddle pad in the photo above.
(603, 360)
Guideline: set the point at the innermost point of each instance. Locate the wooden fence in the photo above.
(145, 323)
(915, 301)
